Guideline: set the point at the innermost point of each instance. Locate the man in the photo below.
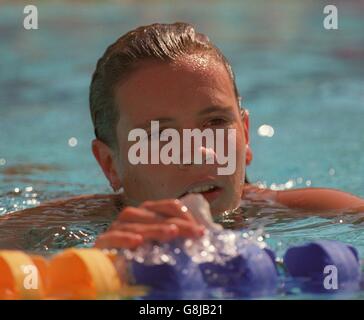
(170, 74)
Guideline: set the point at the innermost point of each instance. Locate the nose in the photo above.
(201, 155)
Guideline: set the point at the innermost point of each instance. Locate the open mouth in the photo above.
(209, 192)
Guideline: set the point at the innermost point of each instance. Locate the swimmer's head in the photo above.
(165, 71)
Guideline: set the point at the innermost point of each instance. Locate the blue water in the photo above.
(304, 81)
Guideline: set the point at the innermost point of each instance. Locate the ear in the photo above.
(105, 158)
(248, 151)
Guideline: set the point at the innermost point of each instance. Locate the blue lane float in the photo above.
(179, 280)
(251, 272)
(324, 266)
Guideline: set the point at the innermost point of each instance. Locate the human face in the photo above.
(181, 91)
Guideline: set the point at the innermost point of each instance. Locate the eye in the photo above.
(216, 122)
(155, 135)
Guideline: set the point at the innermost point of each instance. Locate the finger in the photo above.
(131, 214)
(187, 229)
(160, 232)
(169, 208)
(118, 239)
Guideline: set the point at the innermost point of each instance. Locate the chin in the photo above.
(222, 205)
(219, 207)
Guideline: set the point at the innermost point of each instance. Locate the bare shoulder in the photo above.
(306, 198)
(84, 199)
(320, 199)
(252, 192)
(17, 228)
(73, 207)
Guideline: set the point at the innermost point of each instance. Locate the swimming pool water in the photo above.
(304, 81)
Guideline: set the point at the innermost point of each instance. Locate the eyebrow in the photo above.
(147, 124)
(203, 112)
(213, 109)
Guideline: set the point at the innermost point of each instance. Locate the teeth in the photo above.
(201, 189)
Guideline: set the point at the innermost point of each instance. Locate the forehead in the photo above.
(159, 89)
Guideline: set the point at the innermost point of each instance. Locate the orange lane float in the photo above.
(83, 274)
(21, 275)
(70, 274)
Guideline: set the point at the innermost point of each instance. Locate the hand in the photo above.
(162, 220)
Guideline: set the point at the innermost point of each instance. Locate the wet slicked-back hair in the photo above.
(160, 42)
